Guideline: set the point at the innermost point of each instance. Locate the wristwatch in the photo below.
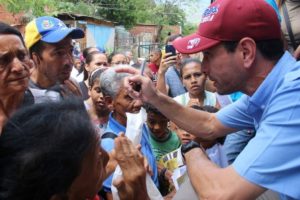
(188, 146)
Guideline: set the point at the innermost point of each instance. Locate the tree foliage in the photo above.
(120, 11)
(35, 8)
(189, 28)
(123, 12)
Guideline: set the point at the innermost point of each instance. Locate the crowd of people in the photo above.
(219, 110)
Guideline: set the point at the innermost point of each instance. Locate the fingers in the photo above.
(138, 147)
(127, 69)
(166, 55)
(112, 164)
(297, 53)
(167, 61)
(147, 167)
(124, 145)
(69, 87)
(124, 191)
(130, 83)
(170, 59)
(119, 183)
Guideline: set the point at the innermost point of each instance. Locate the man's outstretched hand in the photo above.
(138, 86)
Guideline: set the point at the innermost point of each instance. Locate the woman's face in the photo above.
(119, 59)
(14, 65)
(193, 79)
(92, 174)
(99, 61)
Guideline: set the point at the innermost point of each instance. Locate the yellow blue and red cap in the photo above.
(50, 30)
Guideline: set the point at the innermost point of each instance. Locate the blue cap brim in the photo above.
(60, 34)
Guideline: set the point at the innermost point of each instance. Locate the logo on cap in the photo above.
(193, 43)
(46, 24)
(209, 13)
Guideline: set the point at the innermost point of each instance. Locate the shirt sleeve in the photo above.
(235, 115)
(271, 159)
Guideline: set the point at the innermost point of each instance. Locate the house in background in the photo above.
(140, 39)
(146, 37)
(98, 32)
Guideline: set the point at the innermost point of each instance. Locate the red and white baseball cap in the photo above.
(232, 20)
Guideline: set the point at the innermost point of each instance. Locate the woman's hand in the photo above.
(132, 185)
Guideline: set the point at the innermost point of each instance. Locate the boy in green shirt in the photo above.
(162, 139)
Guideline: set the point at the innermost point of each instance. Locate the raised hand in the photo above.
(132, 186)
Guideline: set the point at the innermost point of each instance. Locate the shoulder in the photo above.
(182, 99)
(170, 72)
(28, 98)
(175, 139)
(107, 144)
(210, 98)
(42, 95)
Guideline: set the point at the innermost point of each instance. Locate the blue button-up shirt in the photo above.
(272, 158)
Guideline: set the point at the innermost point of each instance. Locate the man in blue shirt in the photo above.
(243, 51)
(117, 96)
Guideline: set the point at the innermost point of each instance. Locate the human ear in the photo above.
(108, 100)
(87, 68)
(36, 58)
(247, 46)
(89, 90)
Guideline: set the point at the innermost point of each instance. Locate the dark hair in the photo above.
(42, 149)
(171, 38)
(95, 75)
(210, 109)
(7, 29)
(88, 59)
(187, 61)
(151, 109)
(270, 49)
(110, 57)
(87, 51)
(157, 50)
(37, 48)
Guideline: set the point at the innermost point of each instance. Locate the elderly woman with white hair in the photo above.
(117, 96)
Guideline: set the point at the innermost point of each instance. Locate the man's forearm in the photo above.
(201, 170)
(193, 121)
(212, 182)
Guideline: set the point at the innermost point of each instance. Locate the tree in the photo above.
(165, 14)
(34, 8)
(189, 28)
(123, 12)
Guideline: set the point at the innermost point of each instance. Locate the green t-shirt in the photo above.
(161, 148)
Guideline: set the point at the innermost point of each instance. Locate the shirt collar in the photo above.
(115, 125)
(261, 96)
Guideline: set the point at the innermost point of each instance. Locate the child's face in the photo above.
(184, 136)
(97, 96)
(157, 124)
